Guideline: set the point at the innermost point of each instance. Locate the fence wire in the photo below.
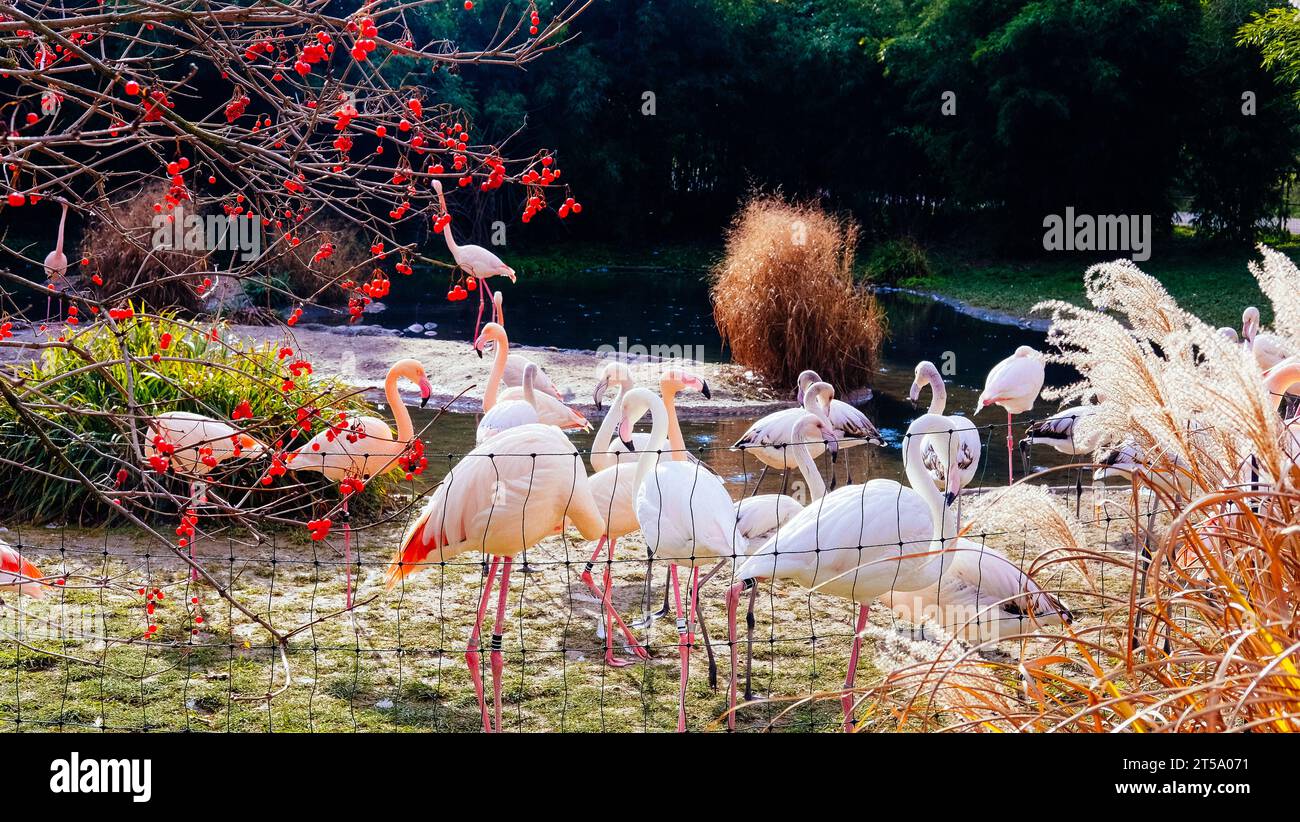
(127, 637)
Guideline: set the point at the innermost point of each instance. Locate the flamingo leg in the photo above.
(498, 661)
(749, 644)
(1010, 463)
(761, 474)
(704, 629)
(471, 652)
(686, 636)
(611, 614)
(496, 315)
(347, 554)
(733, 599)
(847, 700)
(479, 322)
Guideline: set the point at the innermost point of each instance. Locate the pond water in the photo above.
(648, 309)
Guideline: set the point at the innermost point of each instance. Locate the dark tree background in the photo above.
(1110, 106)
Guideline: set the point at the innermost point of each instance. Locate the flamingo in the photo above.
(550, 411)
(363, 447)
(1013, 384)
(510, 413)
(760, 517)
(685, 513)
(1058, 431)
(606, 449)
(981, 597)
(861, 541)
(501, 498)
(968, 456)
(1268, 349)
(768, 439)
(852, 427)
(56, 262)
(516, 363)
(17, 574)
(475, 260)
(195, 445)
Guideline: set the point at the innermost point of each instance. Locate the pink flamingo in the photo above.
(17, 574)
(56, 263)
(1013, 384)
(476, 261)
(363, 447)
(501, 498)
(550, 411)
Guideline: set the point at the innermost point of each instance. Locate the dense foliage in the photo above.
(1110, 106)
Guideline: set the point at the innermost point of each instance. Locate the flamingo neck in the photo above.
(811, 476)
(659, 425)
(605, 434)
(938, 392)
(63, 218)
(944, 518)
(498, 371)
(451, 241)
(529, 396)
(675, 440)
(405, 430)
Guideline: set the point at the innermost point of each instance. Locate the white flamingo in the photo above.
(968, 456)
(1013, 384)
(1268, 349)
(1059, 431)
(852, 427)
(550, 411)
(859, 542)
(362, 447)
(510, 413)
(516, 363)
(685, 513)
(475, 260)
(502, 498)
(768, 439)
(981, 597)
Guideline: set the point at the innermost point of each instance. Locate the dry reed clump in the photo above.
(785, 300)
(120, 249)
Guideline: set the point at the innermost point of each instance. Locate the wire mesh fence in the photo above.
(259, 636)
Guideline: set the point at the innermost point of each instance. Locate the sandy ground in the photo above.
(361, 355)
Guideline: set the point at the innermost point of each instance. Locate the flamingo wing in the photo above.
(504, 415)
(852, 426)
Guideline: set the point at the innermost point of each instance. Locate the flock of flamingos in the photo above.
(525, 481)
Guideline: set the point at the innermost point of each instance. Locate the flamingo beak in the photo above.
(599, 395)
(625, 432)
(954, 487)
(913, 394)
(704, 389)
(426, 391)
(949, 498)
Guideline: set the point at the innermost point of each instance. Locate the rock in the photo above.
(374, 307)
(384, 704)
(430, 326)
(415, 328)
(431, 333)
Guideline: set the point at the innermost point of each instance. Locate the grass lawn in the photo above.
(1211, 282)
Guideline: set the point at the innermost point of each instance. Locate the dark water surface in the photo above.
(647, 309)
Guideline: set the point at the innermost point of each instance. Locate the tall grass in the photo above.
(784, 297)
(1205, 636)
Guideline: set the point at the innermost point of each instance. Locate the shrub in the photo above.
(195, 373)
(897, 261)
(784, 298)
